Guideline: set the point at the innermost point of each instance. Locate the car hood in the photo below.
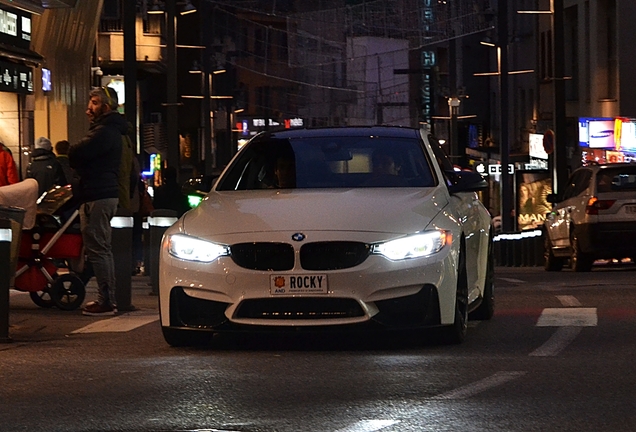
(399, 211)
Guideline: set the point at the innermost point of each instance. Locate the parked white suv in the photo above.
(594, 218)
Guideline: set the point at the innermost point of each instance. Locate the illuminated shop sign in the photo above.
(46, 80)
(532, 204)
(596, 132)
(625, 134)
(607, 140)
(537, 149)
(427, 63)
(15, 78)
(258, 124)
(15, 27)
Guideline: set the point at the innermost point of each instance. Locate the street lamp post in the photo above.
(130, 68)
(504, 144)
(207, 53)
(560, 164)
(172, 105)
(453, 112)
(560, 152)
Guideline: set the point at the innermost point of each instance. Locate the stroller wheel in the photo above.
(68, 292)
(42, 298)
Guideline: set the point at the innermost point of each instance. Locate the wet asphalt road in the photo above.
(558, 355)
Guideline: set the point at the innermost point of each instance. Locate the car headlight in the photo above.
(193, 249)
(414, 246)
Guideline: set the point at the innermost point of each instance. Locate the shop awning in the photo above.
(23, 55)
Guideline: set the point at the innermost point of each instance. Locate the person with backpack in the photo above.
(44, 166)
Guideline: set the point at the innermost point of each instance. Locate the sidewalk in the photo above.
(31, 323)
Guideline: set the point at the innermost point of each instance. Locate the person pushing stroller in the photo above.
(96, 159)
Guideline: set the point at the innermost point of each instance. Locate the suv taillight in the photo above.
(594, 205)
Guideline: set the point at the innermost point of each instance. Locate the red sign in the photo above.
(548, 141)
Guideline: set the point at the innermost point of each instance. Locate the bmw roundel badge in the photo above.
(298, 237)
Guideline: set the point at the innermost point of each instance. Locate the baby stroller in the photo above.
(50, 251)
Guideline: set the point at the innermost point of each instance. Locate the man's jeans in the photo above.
(95, 219)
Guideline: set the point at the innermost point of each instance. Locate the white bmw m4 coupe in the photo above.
(331, 229)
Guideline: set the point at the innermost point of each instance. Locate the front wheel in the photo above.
(579, 260)
(551, 263)
(42, 298)
(486, 309)
(456, 332)
(68, 292)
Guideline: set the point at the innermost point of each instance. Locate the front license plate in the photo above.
(298, 284)
(631, 209)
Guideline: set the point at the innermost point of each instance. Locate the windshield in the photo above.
(329, 162)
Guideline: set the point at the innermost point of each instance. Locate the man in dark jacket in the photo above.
(96, 160)
(44, 166)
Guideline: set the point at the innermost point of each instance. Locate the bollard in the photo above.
(497, 251)
(5, 277)
(146, 245)
(539, 250)
(504, 254)
(158, 222)
(122, 225)
(526, 254)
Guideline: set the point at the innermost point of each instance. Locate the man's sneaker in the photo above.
(96, 309)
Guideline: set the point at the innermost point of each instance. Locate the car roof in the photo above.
(348, 131)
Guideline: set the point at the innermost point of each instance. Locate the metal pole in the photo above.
(122, 225)
(560, 176)
(172, 106)
(453, 109)
(5, 277)
(206, 36)
(130, 68)
(230, 137)
(504, 145)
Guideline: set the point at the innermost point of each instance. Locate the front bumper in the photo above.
(418, 310)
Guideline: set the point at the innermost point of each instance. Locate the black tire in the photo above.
(579, 260)
(68, 292)
(486, 309)
(42, 298)
(456, 333)
(185, 338)
(551, 263)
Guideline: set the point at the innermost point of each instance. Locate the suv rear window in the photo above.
(616, 179)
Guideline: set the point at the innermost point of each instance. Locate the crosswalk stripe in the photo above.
(368, 425)
(568, 317)
(511, 280)
(123, 323)
(472, 389)
(557, 342)
(569, 300)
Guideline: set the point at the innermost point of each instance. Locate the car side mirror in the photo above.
(465, 181)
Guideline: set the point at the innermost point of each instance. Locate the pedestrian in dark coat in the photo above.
(44, 166)
(96, 159)
(61, 149)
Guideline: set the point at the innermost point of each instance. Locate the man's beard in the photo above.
(98, 113)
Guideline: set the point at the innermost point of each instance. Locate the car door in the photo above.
(564, 213)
